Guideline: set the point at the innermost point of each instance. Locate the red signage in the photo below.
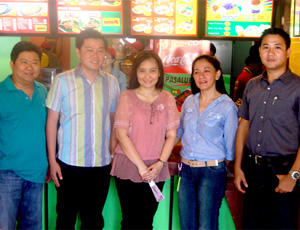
(31, 16)
(164, 17)
(178, 55)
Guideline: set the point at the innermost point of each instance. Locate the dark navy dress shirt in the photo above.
(273, 114)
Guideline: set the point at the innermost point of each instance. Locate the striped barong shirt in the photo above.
(84, 122)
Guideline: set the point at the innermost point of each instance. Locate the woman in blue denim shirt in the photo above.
(207, 131)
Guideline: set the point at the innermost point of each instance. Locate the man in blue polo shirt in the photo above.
(23, 161)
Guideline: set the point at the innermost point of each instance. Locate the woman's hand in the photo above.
(153, 171)
(143, 170)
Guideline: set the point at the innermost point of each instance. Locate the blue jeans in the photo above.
(200, 195)
(21, 201)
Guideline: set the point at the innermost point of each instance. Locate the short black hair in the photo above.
(23, 46)
(276, 31)
(220, 86)
(213, 48)
(252, 59)
(89, 33)
(254, 50)
(142, 56)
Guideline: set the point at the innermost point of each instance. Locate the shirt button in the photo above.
(261, 117)
(265, 102)
(258, 145)
(269, 88)
(259, 131)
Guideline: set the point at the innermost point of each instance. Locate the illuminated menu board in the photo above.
(164, 17)
(106, 16)
(31, 16)
(243, 18)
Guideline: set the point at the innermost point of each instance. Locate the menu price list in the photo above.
(245, 18)
(24, 17)
(164, 17)
(77, 15)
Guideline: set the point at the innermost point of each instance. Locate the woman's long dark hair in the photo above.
(220, 86)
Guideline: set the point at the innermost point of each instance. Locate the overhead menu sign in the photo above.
(164, 17)
(238, 18)
(106, 16)
(31, 16)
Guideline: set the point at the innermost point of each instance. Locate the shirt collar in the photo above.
(221, 98)
(79, 73)
(285, 78)
(10, 85)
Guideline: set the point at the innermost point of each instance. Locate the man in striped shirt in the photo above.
(83, 101)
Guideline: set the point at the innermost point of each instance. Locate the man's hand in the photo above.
(239, 179)
(48, 176)
(55, 172)
(286, 183)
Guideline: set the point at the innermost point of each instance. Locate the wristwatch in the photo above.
(163, 162)
(295, 174)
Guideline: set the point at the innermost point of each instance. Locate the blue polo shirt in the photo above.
(22, 131)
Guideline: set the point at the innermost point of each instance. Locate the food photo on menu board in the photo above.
(164, 17)
(75, 16)
(238, 18)
(24, 16)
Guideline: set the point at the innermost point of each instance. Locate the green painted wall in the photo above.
(6, 45)
(112, 210)
(74, 60)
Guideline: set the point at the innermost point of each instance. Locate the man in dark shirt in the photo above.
(267, 160)
(253, 68)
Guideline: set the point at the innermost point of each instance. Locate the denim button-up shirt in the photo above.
(209, 135)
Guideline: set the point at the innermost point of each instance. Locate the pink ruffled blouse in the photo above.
(147, 125)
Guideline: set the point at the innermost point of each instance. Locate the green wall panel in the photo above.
(7, 43)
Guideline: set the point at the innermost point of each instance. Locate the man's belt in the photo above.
(196, 164)
(270, 160)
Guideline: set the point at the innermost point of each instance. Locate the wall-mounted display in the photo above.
(30, 16)
(164, 17)
(237, 18)
(74, 16)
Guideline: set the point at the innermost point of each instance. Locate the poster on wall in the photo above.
(164, 17)
(30, 17)
(74, 16)
(177, 57)
(238, 18)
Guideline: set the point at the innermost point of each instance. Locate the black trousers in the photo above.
(263, 207)
(138, 204)
(83, 190)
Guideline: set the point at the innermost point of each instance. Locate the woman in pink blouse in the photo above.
(145, 124)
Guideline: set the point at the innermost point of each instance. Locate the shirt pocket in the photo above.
(212, 119)
(282, 112)
(189, 114)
